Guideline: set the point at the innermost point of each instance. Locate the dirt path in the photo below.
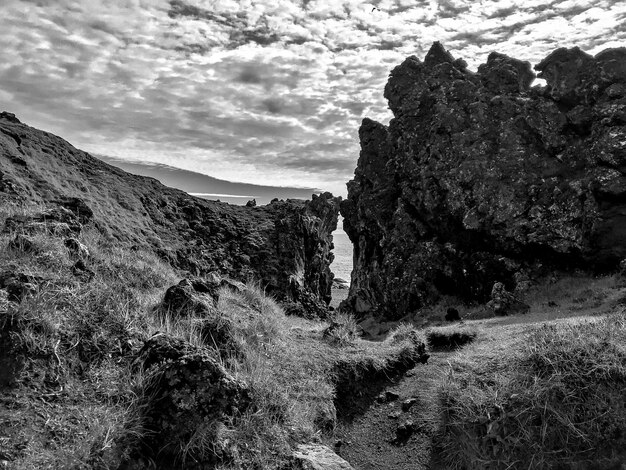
(370, 441)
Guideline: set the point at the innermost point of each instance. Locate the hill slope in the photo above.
(285, 245)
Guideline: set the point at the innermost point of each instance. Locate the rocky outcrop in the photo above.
(480, 178)
(195, 297)
(189, 399)
(285, 245)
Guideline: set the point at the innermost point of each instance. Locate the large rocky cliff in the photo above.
(480, 177)
(285, 245)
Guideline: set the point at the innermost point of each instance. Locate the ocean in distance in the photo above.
(342, 265)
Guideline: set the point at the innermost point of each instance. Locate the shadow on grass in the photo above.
(448, 340)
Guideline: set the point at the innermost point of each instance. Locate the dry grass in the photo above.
(77, 388)
(556, 401)
(76, 392)
(573, 293)
(343, 330)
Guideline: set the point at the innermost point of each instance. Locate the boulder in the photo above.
(195, 300)
(404, 431)
(408, 404)
(480, 177)
(503, 74)
(190, 396)
(9, 117)
(387, 397)
(161, 348)
(77, 206)
(191, 297)
(317, 457)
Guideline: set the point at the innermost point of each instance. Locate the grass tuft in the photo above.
(557, 402)
(343, 330)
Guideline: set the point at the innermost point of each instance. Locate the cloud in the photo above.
(269, 91)
(451, 9)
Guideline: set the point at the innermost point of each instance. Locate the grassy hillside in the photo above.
(91, 350)
(543, 390)
(552, 397)
(286, 244)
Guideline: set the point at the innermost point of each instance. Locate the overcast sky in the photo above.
(260, 91)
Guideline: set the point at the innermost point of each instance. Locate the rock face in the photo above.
(481, 179)
(285, 245)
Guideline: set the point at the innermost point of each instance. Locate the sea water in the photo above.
(342, 265)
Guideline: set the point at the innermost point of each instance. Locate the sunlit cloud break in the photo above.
(266, 92)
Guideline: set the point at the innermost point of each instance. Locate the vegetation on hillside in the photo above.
(552, 398)
(76, 393)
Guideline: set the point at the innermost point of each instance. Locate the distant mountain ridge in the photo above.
(208, 187)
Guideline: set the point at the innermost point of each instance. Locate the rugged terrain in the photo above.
(142, 328)
(480, 178)
(542, 390)
(286, 245)
(128, 339)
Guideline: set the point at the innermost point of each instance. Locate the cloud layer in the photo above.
(260, 91)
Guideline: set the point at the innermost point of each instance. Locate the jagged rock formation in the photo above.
(285, 245)
(480, 178)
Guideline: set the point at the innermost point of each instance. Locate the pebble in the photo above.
(408, 403)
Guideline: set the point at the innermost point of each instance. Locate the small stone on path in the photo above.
(408, 403)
